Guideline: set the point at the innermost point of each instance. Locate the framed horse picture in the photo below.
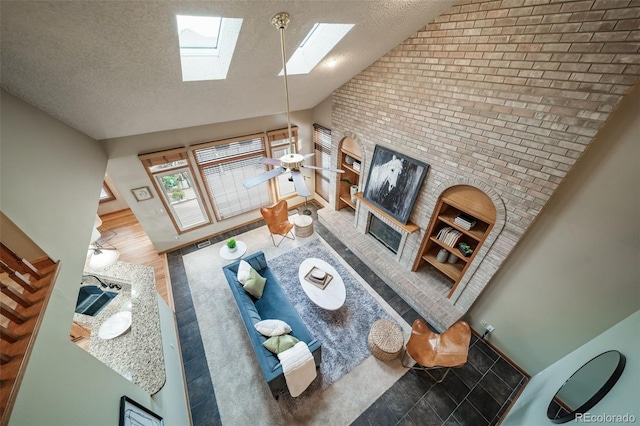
(393, 182)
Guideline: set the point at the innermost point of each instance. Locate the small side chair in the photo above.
(432, 350)
(277, 219)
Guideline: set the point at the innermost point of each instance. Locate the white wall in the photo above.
(50, 180)
(127, 171)
(531, 407)
(575, 273)
(322, 112)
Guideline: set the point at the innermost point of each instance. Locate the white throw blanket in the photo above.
(299, 368)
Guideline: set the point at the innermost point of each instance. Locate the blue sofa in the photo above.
(274, 304)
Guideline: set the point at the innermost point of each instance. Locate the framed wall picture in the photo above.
(142, 193)
(394, 182)
(134, 414)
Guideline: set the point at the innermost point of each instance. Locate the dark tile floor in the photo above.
(202, 399)
(477, 394)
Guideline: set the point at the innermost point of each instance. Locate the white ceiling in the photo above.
(112, 68)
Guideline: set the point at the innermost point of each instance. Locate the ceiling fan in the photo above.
(291, 162)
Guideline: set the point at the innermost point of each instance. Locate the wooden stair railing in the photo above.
(18, 263)
(29, 289)
(18, 278)
(15, 295)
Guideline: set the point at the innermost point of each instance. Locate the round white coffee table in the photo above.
(332, 297)
(225, 253)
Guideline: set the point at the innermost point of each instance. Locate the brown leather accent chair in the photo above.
(277, 219)
(432, 350)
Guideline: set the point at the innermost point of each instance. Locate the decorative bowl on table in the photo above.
(318, 274)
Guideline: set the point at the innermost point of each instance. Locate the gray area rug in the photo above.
(343, 332)
(242, 394)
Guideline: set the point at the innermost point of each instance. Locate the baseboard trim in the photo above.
(499, 352)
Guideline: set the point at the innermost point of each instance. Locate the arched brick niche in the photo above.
(352, 143)
(486, 261)
(350, 160)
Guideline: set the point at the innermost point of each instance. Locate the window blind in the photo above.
(224, 166)
(322, 158)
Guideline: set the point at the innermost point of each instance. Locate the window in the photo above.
(279, 145)
(206, 46)
(320, 40)
(224, 166)
(106, 194)
(322, 158)
(171, 174)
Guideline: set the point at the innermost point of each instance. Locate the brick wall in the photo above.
(505, 93)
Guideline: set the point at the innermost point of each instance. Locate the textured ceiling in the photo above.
(112, 68)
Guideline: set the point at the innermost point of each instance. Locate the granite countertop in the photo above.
(137, 354)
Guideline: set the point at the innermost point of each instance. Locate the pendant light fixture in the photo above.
(292, 162)
(280, 21)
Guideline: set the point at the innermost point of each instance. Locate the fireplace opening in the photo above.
(382, 232)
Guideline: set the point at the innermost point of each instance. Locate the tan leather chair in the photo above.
(277, 219)
(432, 350)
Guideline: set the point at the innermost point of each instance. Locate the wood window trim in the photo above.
(110, 196)
(162, 157)
(150, 159)
(201, 166)
(225, 141)
(281, 134)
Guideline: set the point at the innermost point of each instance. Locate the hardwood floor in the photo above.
(135, 247)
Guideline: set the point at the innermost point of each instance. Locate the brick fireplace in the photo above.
(503, 95)
(384, 233)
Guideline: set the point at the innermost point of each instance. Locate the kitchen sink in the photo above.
(92, 299)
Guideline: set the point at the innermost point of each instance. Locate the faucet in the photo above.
(102, 283)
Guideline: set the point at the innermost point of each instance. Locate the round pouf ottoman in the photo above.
(303, 226)
(385, 340)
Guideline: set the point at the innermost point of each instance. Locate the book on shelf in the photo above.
(318, 277)
(449, 236)
(465, 221)
(466, 217)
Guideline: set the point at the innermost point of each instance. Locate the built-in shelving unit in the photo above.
(349, 160)
(455, 201)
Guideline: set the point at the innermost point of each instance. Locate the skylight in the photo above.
(316, 45)
(206, 46)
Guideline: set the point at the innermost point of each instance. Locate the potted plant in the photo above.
(231, 245)
(353, 189)
(465, 249)
(169, 182)
(177, 194)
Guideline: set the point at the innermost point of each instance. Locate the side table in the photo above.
(385, 340)
(303, 226)
(241, 249)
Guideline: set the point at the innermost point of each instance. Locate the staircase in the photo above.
(26, 286)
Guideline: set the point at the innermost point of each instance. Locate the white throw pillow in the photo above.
(243, 272)
(272, 327)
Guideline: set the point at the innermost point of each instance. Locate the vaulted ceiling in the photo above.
(112, 68)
